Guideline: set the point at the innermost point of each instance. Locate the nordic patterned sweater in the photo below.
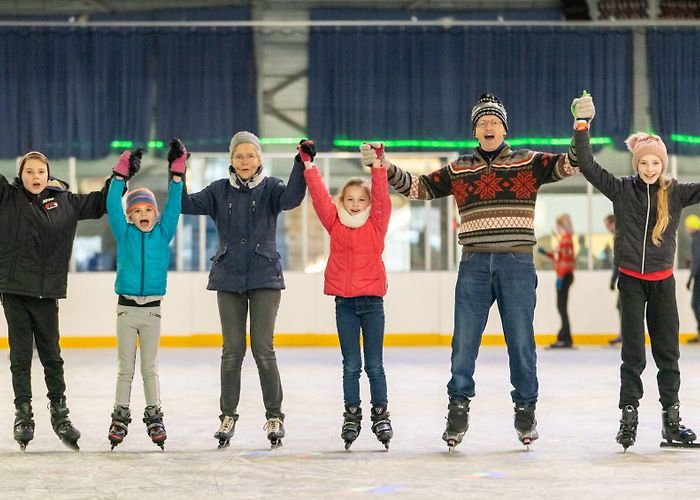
(496, 200)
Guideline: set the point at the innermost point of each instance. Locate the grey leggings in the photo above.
(233, 311)
(144, 323)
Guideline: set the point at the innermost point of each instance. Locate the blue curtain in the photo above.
(421, 82)
(206, 84)
(70, 92)
(673, 65)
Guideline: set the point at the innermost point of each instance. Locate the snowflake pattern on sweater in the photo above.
(495, 200)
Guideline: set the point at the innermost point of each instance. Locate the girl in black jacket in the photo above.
(38, 220)
(647, 210)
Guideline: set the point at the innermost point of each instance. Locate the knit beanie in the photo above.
(489, 105)
(36, 155)
(245, 137)
(692, 222)
(140, 197)
(642, 144)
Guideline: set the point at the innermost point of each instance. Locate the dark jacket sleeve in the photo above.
(92, 205)
(601, 179)
(291, 195)
(695, 257)
(4, 189)
(202, 203)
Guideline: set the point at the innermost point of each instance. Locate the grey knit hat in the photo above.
(245, 137)
(489, 105)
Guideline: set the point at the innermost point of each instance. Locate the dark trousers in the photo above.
(33, 320)
(563, 287)
(695, 302)
(233, 311)
(659, 298)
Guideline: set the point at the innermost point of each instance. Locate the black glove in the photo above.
(135, 161)
(308, 148)
(176, 150)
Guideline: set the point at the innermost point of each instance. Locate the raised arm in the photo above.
(583, 110)
(323, 203)
(115, 212)
(381, 202)
(290, 196)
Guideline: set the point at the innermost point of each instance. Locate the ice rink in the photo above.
(575, 457)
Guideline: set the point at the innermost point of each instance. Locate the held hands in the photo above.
(177, 157)
(583, 110)
(307, 151)
(129, 163)
(371, 152)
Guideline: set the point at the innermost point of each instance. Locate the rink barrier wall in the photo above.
(418, 308)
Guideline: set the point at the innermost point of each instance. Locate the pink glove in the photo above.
(178, 165)
(122, 167)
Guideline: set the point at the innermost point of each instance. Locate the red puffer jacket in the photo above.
(355, 267)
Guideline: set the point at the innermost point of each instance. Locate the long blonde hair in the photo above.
(662, 215)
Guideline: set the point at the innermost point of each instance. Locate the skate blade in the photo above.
(22, 446)
(224, 443)
(72, 446)
(275, 443)
(348, 444)
(674, 444)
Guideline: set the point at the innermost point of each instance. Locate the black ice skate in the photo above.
(24, 424)
(525, 423)
(675, 434)
(225, 432)
(381, 425)
(153, 418)
(118, 429)
(275, 431)
(352, 425)
(627, 434)
(62, 425)
(457, 422)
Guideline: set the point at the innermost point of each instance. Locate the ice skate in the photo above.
(525, 423)
(118, 429)
(226, 429)
(153, 418)
(352, 418)
(675, 434)
(627, 434)
(62, 425)
(24, 424)
(457, 423)
(275, 431)
(381, 425)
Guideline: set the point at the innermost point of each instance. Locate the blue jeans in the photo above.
(511, 281)
(351, 315)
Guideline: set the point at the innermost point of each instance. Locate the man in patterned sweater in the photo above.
(495, 189)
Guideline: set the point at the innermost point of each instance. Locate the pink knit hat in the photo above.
(641, 144)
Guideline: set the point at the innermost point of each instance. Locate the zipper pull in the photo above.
(253, 206)
(229, 208)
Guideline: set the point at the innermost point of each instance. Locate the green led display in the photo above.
(688, 139)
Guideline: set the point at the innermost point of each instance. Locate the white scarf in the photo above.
(253, 181)
(352, 221)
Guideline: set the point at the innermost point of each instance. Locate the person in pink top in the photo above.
(357, 221)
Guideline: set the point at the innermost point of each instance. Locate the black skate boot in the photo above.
(225, 432)
(118, 429)
(381, 425)
(24, 424)
(457, 422)
(676, 434)
(525, 423)
(153, 418)
(352, 425)
(275, 431)
(62, 425)
(627, 434)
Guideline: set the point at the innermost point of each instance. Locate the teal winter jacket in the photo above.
(142, 258)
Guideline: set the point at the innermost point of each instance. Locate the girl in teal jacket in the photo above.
(143, 255)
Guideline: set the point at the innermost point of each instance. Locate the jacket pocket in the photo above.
(219, 255)
(267, 252)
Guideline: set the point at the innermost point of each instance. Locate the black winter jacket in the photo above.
(634, 205)
(36, 236)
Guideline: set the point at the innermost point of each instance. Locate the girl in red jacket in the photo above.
(357, 223)
(563, 258)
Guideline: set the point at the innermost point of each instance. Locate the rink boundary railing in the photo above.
(331, 340)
